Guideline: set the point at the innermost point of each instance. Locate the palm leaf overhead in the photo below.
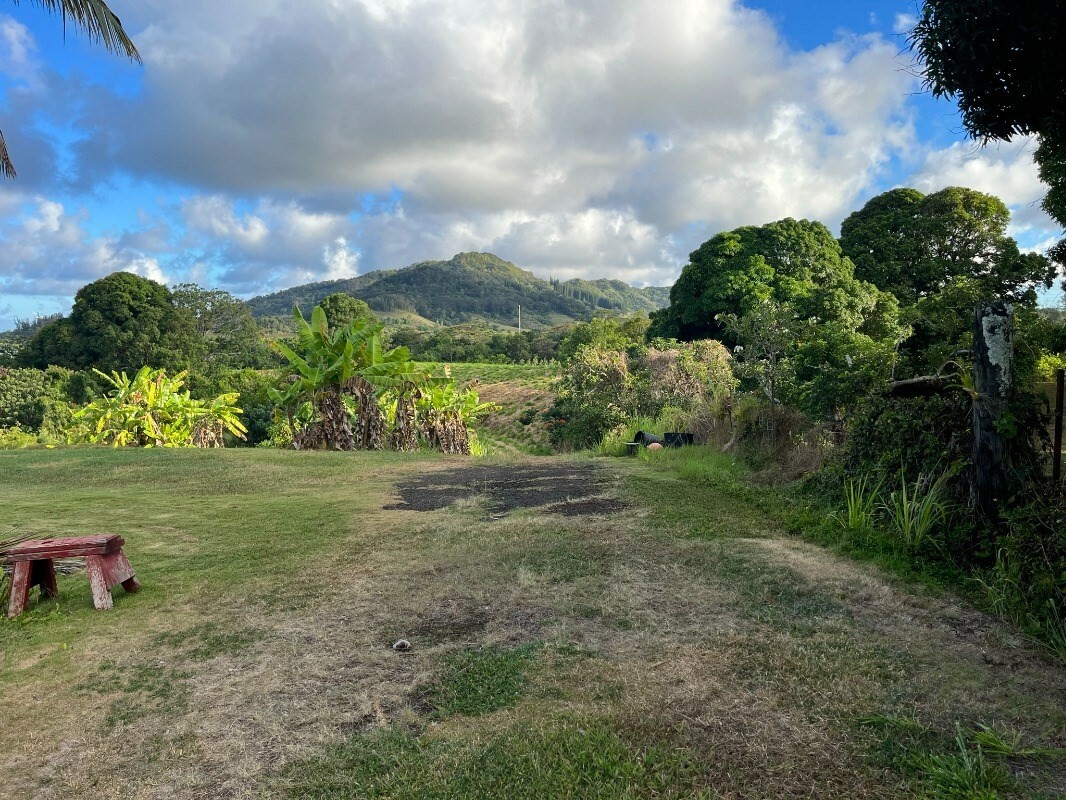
(96, 21)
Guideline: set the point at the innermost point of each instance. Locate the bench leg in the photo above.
(94, 568)
(20, 588)
(43, 574)
(117, 569)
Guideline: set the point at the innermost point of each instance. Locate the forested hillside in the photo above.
(471, 287)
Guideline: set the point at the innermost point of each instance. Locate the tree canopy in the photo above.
(229, 334)
(121, 322)
(1001, 60)
(795, 262)
(914, 245)
(341, 308)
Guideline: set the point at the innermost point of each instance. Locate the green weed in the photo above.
(482, 680)
(1009, 743)
(861, 506)
(963, 775)
(567, 758)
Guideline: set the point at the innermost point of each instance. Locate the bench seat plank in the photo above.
(68, 547)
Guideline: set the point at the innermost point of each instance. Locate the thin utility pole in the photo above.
(520, 318)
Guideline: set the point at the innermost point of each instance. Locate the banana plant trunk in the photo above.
(404, 435)
(370, 426)
(336, 427)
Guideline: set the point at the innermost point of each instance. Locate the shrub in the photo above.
(38, 400)
(151, 409)
(16, 439)
(596, 396)
(254, 387)
(22, 395)
(917, 435)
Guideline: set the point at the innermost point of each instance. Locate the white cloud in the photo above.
(46, 250)
(522, 106)
(904, 23)
(1005, 170)
(340, 260)
(602, 138)
(18, 53)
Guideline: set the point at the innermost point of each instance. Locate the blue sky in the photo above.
(256, 150)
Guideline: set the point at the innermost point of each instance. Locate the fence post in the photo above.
(1056, 453)
(993, 361)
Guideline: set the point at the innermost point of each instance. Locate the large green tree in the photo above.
(941, 254)
(915, 245)
(99, 23)
(121, 322)
(231, 337)
(341, 308)
(792, 262)
(1002, 61)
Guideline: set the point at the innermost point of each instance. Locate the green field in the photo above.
(521, 392)
(578, 628)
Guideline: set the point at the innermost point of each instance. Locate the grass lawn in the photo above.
(577, 628)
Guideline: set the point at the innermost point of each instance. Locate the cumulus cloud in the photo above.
(601, 138)
(531, 106)
(46, 250)
(1006, 170)
(904, 23)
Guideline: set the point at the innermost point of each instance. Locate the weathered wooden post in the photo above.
(1056, 454)
(993, 359)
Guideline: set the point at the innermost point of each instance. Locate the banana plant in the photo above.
(444, 414)
(152, 410)
(348, 361)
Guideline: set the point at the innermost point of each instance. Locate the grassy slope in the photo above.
(522, 392)
(685, 647)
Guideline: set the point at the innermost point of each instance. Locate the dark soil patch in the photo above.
(507, 488)
(453, 619)
(467, 619)
(590, 506)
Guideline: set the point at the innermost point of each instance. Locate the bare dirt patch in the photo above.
(569, 489)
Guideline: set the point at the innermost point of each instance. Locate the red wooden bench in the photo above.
(105, 564)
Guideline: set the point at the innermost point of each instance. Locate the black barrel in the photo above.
(678, 438)
(647, 438)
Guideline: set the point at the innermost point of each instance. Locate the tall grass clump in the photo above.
(965, 775)
(861, 504)
(915, 510)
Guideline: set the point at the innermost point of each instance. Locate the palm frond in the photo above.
(7, 169)
(96, 20)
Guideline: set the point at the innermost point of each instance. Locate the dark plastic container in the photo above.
(678, 438)
(647, 438)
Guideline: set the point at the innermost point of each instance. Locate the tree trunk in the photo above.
(404, 435)
(336, 427)
(993, 359)
(370, 426)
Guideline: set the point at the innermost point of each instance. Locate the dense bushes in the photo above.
(38, 401)
(611, 377)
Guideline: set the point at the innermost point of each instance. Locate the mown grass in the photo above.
(683, 646)
(563, 757)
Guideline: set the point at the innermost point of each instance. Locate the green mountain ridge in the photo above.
(471, 287)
